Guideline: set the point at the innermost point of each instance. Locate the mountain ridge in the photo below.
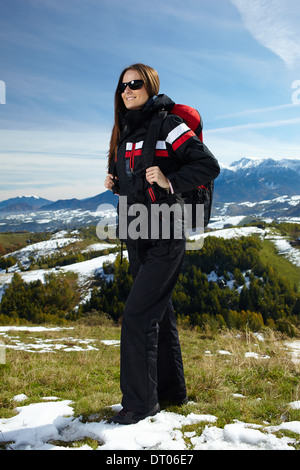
(255, 180)
(91, 203)
(246, 180)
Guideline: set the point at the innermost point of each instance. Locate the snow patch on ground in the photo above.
(285, 249)
(69, 343)
(40, 426)
(41, 249)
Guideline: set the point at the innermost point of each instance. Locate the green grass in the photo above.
(279, 263)
(12, 241)
(267, 385)
(87, 378)
(91, 378)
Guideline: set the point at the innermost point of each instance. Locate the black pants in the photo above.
(151, 362)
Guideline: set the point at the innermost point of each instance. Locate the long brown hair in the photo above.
(151, 82)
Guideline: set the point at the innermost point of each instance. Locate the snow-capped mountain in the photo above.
(256, 180)
(284, 208)
(23, 204)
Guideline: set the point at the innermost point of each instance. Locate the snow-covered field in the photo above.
(285, 249)
(35, 426)
(282, 245)
(41, 249)
(86, 269)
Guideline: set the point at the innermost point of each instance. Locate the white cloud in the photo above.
(52, 164)
(232, 143)
(256, 125)
(55, 142)
(274, 24)
(255, 111)
(231, 147)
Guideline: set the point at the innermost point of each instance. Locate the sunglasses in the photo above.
(133, 85)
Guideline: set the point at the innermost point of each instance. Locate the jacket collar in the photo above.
(132, 119)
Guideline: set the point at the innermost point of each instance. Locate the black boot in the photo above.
(132, 417)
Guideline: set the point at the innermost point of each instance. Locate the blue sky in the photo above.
(236, 61)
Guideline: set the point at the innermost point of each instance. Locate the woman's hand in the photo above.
(109, 181)
(154, 175)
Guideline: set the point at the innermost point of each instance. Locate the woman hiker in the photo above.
(151, 368)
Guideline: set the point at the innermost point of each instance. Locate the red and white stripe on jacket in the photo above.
(176, 137)
(179, 135)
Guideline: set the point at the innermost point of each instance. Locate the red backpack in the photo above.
(201, 194)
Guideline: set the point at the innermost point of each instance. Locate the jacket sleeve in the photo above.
(112, 167)
(197, 165)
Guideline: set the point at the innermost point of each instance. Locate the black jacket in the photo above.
(179, 154)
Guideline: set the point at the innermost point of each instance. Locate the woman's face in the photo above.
(134, 99)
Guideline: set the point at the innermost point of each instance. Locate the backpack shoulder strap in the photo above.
(148, 150)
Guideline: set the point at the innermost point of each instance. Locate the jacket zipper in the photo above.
(131, 162)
